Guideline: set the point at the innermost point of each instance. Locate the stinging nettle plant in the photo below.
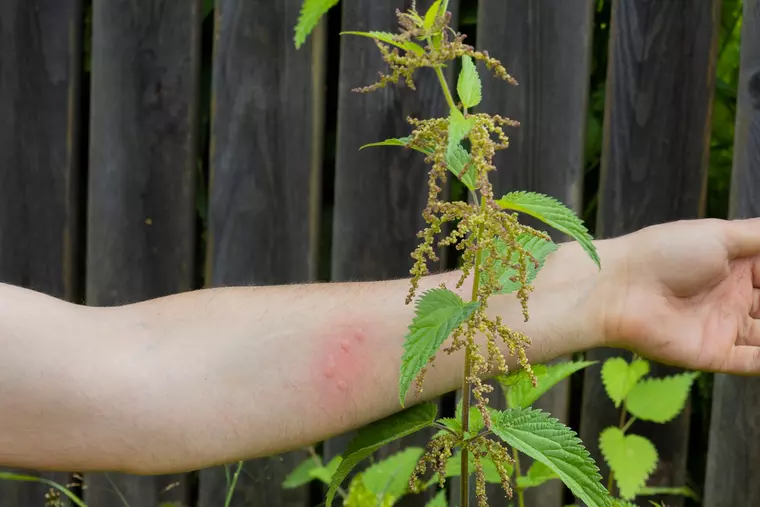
(499, 254)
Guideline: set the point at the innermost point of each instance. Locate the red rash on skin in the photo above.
(341, 365)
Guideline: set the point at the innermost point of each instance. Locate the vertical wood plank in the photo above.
(141, 228)
(656, 145)
(379, 193)
(40, 212)
(546, 46)
(733, 457)
(266, 157)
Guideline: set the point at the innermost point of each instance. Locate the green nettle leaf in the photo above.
(451, 423)
(457, 159)
(660, 399)
(439, 311)
(547, 440)
(370, 438)
(658, 490)
(632, 459)
(391, 475)
(301, 474)
(538, 473)
(431, 15)
(553, 213)
(439, 500)
(459, 127)
(393, 141)
(359, 495)
(538, 247)
(619, 377)
(311, 12)
(522, 394)
(476, 418)
(388, 38)
(325, 473)
(469, 87)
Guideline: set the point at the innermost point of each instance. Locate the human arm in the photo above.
(214, 376)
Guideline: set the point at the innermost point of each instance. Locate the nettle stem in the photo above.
(466, 388)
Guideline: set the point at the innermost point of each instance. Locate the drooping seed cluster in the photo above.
(449, 45)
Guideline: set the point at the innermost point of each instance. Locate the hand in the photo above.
(688, 294)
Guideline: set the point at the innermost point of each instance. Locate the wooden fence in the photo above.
(106, 133)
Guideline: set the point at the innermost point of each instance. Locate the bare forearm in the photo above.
(213, 376)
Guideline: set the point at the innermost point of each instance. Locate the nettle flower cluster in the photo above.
(499, 255)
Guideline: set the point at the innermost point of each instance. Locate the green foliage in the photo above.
(438, 312)
(476, 418)
(311, 12)
(682, 491)
(388, 38)
(519, 390)
(537, 474)
(540, 248)
(359, 495)
(325, 473)
(553, 213)
(469, 87)
(632, 459)
(393, 141)
(619, 377)
(547, 440)
(301, 475)
(489, 468)
(457, 159)
(10, 476)
(390, 477)
(373, 436)
(459, 127)
(660, 400)
(431, 15)
(439, 500)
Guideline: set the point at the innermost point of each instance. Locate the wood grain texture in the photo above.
(735, 426)
(40, 211)
(546, 47)
(655, 154)
(266, 157)
(380, 193)
(141, 214)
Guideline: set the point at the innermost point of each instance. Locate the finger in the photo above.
(750, 333)
(754, 312)
(743, 237)
(742, 360)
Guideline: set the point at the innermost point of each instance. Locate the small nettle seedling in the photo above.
(499, 255)
(633, 458)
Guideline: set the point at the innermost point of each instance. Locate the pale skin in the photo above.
(214, 376)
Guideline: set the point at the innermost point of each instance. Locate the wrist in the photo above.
(570, 308)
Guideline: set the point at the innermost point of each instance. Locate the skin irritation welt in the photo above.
(343, 364)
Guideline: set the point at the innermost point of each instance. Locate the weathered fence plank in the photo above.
(380, 192)
(141, 215)
(266, 157)
(546, 46)
(656, 134)
(733, 456)
(40, 207)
